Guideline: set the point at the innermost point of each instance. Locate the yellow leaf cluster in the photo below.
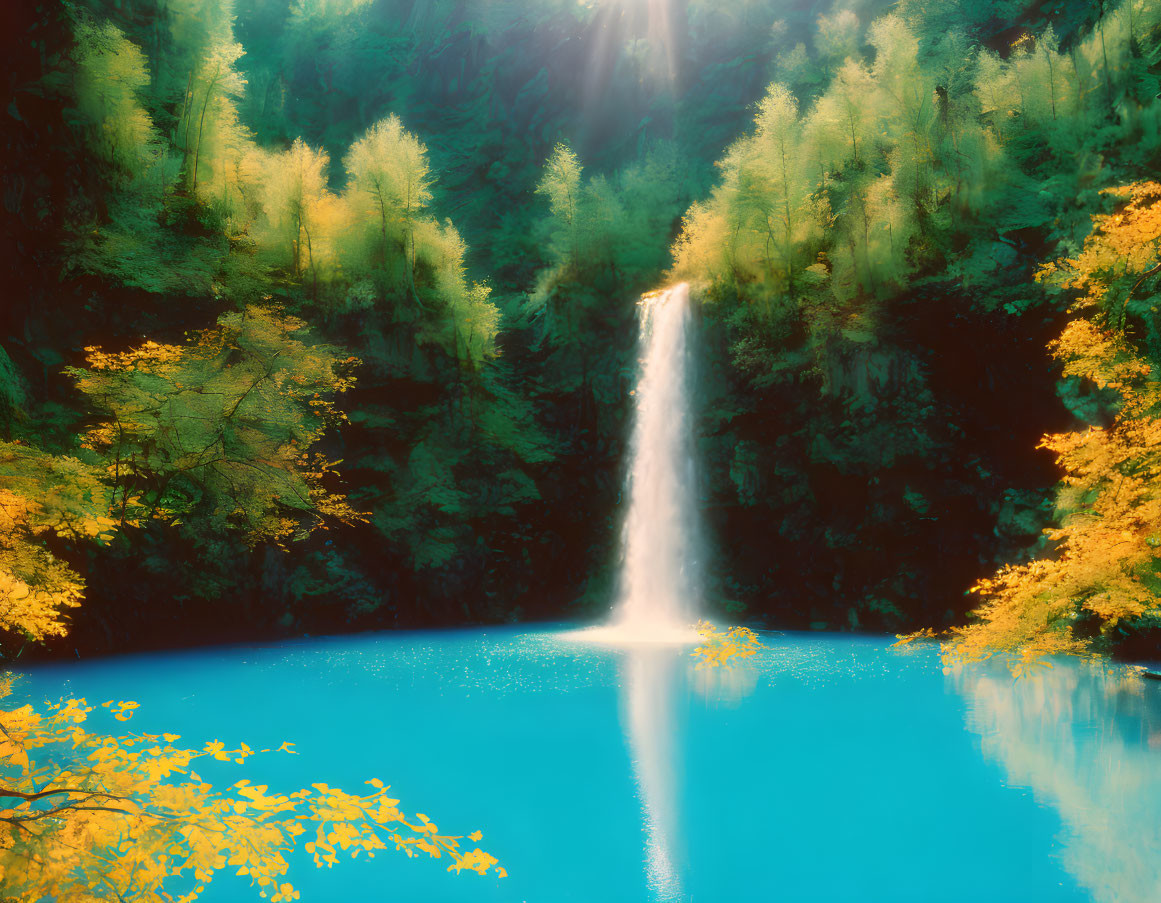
(87, 816)
(1122, 247)
(38, 612)
(42, 495)
(724, 647)
(906, 639)
(152, 355)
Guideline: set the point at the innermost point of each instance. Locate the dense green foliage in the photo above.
(866, 259)
(289, 388)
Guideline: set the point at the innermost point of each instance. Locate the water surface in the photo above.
(833, 769)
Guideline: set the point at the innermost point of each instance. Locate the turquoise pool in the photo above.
(831, 769)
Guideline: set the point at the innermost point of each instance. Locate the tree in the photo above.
(837, 39)
(1044, 77)
(111, 75)
(651, 194)
(42, 496)
(761, 223)
(841, 125)
(910, 112)
(294, 187)
(213, 138)
(778, 163)
(389, 180)
(220, 428)
(1104, 580)
(561, 184)
(90, 816)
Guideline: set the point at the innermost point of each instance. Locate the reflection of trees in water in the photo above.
(1088, 744)
(727, 685)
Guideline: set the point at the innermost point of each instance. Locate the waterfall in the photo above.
(659, 582)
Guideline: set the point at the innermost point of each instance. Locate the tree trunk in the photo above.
(201, 126)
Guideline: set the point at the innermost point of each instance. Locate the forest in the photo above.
(321, 319)
(217, 293)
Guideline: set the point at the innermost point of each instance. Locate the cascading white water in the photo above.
(659, 581)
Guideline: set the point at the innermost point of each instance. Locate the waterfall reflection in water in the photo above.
(655, 695)
(654, 725)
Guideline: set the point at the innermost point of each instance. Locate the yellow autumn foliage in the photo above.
(724, 647)
(1106, 569)
(87, 816)
(222, 427)
(34, 611)
(43, 496)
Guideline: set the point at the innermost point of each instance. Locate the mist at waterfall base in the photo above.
(832, 769)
